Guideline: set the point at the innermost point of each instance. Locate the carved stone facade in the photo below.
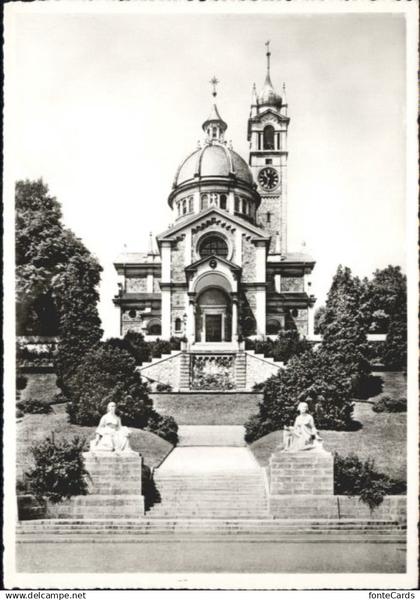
(222, 270)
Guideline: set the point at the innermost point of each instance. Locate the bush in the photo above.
(313, 376)
(390, 405)
(352, 477)
(163, 426)
(368, 386)
(163, 387)
(19, 413)
(33, 406)
(287, 344)
(59, 469)
(160, 347)
(137, 346)
(21, 382)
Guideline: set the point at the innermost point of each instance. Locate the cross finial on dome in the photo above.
(268, 54)
(214, 81)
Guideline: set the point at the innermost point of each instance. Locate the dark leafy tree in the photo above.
(108, 373)
(345, 331)
(315, 377)
(56, 277)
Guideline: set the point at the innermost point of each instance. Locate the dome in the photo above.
(268, 95)
(214, 160)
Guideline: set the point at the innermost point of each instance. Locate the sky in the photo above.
(106, 106)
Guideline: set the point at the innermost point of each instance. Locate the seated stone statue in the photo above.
(303, 435)
(111, 436)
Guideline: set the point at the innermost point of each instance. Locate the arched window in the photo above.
(178, 325)
(190, 203)
(273, 327)
(154, 328)
(223, 201)
(204, 201)
(184, 207)
(243, 206)
(213, 245)
(268, 136)
(237, 204)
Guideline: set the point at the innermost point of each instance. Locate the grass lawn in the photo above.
(207, 409)
(40, 386)
(34, 428)
(395, 384)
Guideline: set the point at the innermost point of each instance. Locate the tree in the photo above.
(108, 373)
(345, 330)
(314, 376)
(43, 250)
(319, 320)
(79, 324)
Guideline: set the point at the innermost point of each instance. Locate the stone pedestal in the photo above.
(307, 472)
(114, 489)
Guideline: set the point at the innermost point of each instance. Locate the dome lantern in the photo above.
(214, 126)
(268, 96)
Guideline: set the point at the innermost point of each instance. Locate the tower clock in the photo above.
(267, 133)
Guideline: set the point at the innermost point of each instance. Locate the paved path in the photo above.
(211, 435)
(198, 459)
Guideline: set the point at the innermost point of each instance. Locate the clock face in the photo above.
(268, 178)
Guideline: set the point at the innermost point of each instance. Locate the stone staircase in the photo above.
(159, 359)
(211, 496)
(262, 529)
(240, 371)
(267, 359)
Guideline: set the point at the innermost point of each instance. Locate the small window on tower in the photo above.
(184, 207)
(243, 206)
(223, 201)
(204, 201)
(190, 203)
(237, 204)
(268, 161)
(214, 132)
(268, 136)
(178, 325)
(269, 217)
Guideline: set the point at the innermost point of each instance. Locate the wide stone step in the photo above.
(222, 527)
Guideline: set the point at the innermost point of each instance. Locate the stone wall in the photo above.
(164, 370)
(178, 261)
(336, 507)
(248, 260)
(135, 285)
(258, 370)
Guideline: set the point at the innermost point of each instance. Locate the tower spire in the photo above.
(214, 81)
(214, 125)
(268, 54)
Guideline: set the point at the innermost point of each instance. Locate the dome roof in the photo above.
(213, 160)
(268, 94)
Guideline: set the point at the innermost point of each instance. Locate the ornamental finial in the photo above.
(214, 81)
(268, 54)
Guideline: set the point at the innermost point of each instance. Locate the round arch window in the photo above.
(213, 245)
(273, 327)
(132, 313)
(154, 328)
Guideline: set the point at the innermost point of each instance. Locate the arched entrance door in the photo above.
(213, 316)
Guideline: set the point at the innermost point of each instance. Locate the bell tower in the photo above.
(267, 134)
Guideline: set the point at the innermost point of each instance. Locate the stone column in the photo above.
(311, 321)
(166, 290)
(191, 318)
(234, 318)
(260, 310)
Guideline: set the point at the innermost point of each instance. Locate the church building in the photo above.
(222, 270)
